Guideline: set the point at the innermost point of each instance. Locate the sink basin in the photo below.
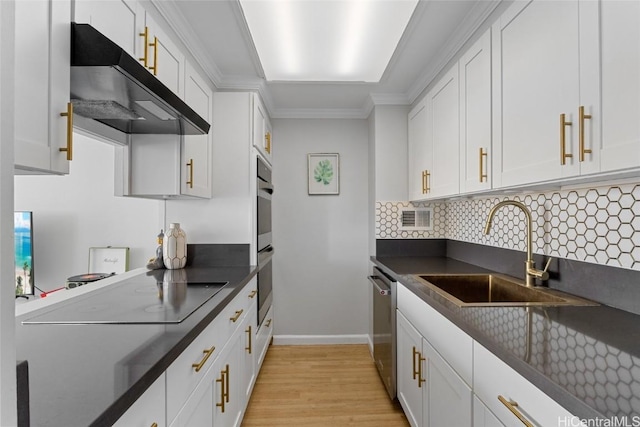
(478, 290)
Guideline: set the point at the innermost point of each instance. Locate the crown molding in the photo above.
(320, 113)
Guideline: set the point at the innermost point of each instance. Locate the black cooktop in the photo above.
(134, 301)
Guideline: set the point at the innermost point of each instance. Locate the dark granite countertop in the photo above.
(585, 358)
(82, 375)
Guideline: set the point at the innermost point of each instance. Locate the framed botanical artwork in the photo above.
(324, 173)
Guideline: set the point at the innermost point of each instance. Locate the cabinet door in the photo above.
(409, 362)
(228, 395)
(196, 149)
(166, 60)
(443, 130)
(42, 85)
(419, 152)
(620, 68)
(148, 409)
(261, 128)
(536, 79)
(265, 333)
(475, 116)
(482, 416)
(448, 397)
(249, 354)
(116, 19)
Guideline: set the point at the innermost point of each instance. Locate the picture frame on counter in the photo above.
(323, 173)
(109, 259)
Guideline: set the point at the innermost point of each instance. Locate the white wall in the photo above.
(321, 245)
(74, 212)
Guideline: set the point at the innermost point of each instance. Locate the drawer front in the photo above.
(453, 344)
(264, 336)
(493, 378)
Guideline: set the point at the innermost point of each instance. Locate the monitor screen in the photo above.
(23, 230)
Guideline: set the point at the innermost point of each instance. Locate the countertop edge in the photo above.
(567, 400)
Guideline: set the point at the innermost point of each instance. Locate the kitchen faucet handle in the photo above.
(546, 267)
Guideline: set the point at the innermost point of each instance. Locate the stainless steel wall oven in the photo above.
(265, 246)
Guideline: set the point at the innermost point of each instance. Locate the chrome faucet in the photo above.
(531, 273)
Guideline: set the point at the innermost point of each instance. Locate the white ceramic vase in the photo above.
(174, 247)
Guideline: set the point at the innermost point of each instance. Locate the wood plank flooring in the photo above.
(321, 386)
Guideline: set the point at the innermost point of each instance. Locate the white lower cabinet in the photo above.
(263, 339)
(223, 355)
(148, 410)
(498, 386)
(482, 416)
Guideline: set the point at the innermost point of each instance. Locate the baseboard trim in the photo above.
(319, 339)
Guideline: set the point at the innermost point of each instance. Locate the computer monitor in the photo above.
(24, 273)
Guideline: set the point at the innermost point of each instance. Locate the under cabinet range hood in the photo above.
(111, 88)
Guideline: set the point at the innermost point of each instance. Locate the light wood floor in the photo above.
(321, 386)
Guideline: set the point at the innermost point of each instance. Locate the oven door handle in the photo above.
(266, 187)
(378, 289)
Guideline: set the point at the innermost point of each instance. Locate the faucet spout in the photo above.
(531, 273)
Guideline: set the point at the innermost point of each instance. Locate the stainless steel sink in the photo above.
(480, 290)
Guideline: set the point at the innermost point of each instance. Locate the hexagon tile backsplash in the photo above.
(596, 225)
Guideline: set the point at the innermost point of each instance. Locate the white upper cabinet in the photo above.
(262, 138)
(116, 19)
(419, 152)
(542, 75)
(163, 58)
(196, 149)
(43, 129)
(475, 116)
(443, 132)
(620, 68)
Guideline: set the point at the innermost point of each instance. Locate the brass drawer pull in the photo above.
(267, 138)
(483, 176)
(235, 318)
(253, 293)
(248, 347)
(267, 323)
(69, 115)
(154, 425)
(427, 181)
(155, 56)
(512, 406)
(222, 380)
(145, 56)
(190, 166)
(207, 354)
(415, 371)
(563, 144)
(420, 378)
(582, 117)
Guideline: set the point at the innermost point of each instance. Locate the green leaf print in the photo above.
(323, 172)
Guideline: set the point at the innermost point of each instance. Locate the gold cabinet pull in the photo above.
(482, 174)
(145, 56)
(222, 381)
(267, 323)
(267, 139)
(226, 383)
(154, 425)
(69, 115)
(421, 379)
(424, 182)
(190, 166)
(582, 117)
(563, 145)
(207, 354)
(154, 45)
(512, 406)
(415, 371)
(248, 347)
(253, 293)
(235, 317)
(427, 181)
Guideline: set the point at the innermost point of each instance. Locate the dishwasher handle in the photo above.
(378, 289)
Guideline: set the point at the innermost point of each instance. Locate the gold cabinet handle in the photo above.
(415, 371)
(154, 425)
(512, 406)
(248, 347)
(563, 145)
(145, 56)
(222, 380)
(582, 117)
(424, 182)
(154, 45)
(267, 323)
(420, 377)
(235, 318)
(427, 181)
(226, 384)
(69, 115)
(267, 138)
(253, 293)
(207, 354)
(190, 166)
(483, 154)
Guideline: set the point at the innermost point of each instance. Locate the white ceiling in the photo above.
(216, 33)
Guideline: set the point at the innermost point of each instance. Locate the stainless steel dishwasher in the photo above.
(384, 328)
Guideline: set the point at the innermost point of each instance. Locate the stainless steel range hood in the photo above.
(111, 88)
